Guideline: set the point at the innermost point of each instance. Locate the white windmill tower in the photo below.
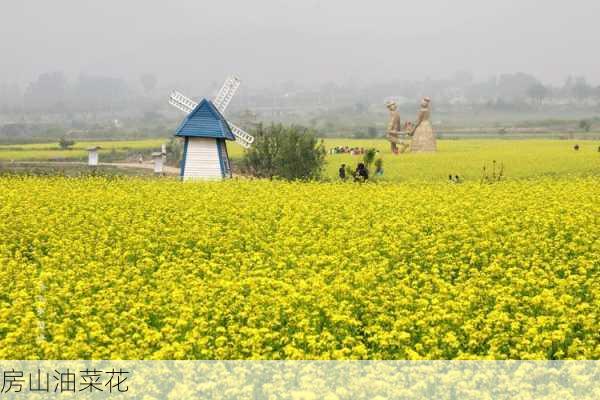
(221, 102)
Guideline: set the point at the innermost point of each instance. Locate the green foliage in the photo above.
(585, 125)
(288, 152)
(537, 92)
(349, 171)
(174, 150)
(65, 143)
(368, 133)
(369, 157)
(494, 176)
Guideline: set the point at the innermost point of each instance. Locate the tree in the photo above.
(100, 93)
(288, 152)
(585, 125)
(577, 88)
(174, 149)
(65, 143)
(48, 92)
(361, 134)
(369, 157)
(537, 92)
(247, 118)
(513, 87)
(581, 89)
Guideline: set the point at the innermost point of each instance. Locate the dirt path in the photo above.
(166, 169)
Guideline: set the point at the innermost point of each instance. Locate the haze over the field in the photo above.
(310, 41)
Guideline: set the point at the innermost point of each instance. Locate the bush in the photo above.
(290, 153)
(65, 143)
(174, 151)
(369, 157)
(585, 125)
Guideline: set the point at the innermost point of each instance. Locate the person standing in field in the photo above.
(342, 172)
(361, 174)
(379, 167)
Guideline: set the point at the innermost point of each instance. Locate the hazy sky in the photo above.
(193, 42)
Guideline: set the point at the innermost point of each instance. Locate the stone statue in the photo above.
(394, 129)
(423, 137)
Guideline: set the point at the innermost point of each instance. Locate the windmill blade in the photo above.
(187, 105)
(243, 138)
(182, 102)
(226, 93)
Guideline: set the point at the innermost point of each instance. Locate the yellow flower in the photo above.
(147, 269)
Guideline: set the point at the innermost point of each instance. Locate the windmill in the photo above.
(221, 101)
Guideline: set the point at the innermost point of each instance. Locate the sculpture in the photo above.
(394, 131)
(423, 137)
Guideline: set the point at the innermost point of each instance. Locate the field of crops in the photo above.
(466, 158)
(521, 159)
(131, 268)
(51, 151)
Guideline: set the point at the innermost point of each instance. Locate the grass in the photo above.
(466, 158)
(82, 145)
(77, 170)
(51, 151)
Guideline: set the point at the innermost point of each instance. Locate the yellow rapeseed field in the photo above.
(120, 268)
(52, 151)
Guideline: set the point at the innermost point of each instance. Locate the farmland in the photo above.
(522, 159)
(113, 268)
(51, 151)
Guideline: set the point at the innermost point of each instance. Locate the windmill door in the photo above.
(201, 159)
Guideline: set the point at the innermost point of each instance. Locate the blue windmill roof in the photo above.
(205, 121)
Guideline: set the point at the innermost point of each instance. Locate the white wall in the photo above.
(158, 165)
(202, 159)
(92, 158)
